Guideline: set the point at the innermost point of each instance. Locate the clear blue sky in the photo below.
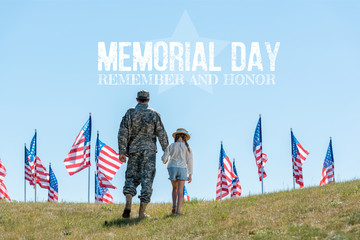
(48, 79)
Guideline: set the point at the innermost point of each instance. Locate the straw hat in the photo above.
(182, 130)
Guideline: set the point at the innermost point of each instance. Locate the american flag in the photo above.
(225, 175)
(2, 171)
(260, 157)
(42, 176)
(102, 194)
(79, 155)
(107, 162)
(32, 155)
(3, 191)
(53, 187)
(328, 168)
(236, 187)
(29, 173)
(186, 195)
(104, 182)
(299, 155)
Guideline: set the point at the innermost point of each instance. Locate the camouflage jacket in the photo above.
(138, 130)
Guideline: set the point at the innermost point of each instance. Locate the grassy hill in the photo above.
(328, 212)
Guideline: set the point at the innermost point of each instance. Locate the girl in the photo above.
(179, 166)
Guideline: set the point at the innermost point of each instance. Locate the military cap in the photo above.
(143, 95)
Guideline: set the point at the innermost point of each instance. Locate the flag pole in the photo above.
(89, 185)
(35, 160)
(233, 179)
(221, 173)
(24, 172)
(292, 157)
(262, 170)
(49, 179)
(89, 171)
(332, 154)
(96, 187)
(96, 145)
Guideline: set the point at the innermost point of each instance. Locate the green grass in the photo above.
(328, 212)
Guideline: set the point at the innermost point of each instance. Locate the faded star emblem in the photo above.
(185, 31)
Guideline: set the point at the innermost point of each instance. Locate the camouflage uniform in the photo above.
(137, 140)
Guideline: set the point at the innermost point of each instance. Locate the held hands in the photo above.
(122, 158)
(190, 179)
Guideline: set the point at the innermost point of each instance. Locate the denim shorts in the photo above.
(177, 173)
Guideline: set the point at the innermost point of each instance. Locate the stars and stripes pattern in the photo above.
(104, 182)
(102, 194)
(264, 160)
(35, 168)
(79, 155)
(328, 175)
(29, 173)
(32, 155)
(225, 175)
(299, 155)
(107, 163)
(3, 191)
(235, 184)
(42, 176)
(186, 195)
(260, 157)
(53, 187)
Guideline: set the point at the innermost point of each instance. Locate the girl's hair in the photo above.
(183, 136)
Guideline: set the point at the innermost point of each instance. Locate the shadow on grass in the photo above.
(171, 215)
(121, 222)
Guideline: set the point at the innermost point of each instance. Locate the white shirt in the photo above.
(180, 156)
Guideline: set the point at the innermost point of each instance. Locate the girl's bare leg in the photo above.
(174, 192)
(180, 195)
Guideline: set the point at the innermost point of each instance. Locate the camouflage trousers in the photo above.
(140, 170)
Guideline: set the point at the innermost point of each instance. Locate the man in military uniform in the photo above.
(137, 140)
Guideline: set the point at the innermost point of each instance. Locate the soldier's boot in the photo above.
(142, 209)
(127, 209)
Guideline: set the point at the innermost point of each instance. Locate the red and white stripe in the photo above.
(79, 155)
(258, 154)
(264, 160)
(29, 175)
(104, 182)
(224, 179)
(108, 162)
(236, 189)
(42, 176)
(52, 195)
(107, 198)
(3, 192)
(260, 158)
(32, 171)
(222, 187)
(2, 171)
(186, 198)
(297, 165)
(327, 175)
